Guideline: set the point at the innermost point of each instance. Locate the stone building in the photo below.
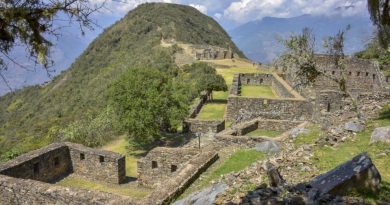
(212, 53)
(162, 163)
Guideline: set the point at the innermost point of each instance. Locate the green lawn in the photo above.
(257, 91)
(327, 158)
(262, 132)
(129, 189)
(212, 111)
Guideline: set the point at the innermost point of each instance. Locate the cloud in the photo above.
(247, 10)
(218, 15)
(200, 8)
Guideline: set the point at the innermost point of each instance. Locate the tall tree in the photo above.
(31, 24)
(380, 16)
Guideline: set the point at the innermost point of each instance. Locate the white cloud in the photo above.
(218, 15)
(200, 8)
(247, 10)
(120, 7)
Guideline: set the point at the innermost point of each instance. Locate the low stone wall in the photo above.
(281, 88)
(97, 165)
(170, 189)
(203, 126)
(256, 79)
(291, 109)
(17, 191)
(162, 163)
(198, 105)
(243, 141)
(235, 88)
(247, 128)
(277, 125)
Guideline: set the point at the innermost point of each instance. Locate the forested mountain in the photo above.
(33, 116)
(258, 39)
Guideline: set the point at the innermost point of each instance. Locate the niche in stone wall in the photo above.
(56, 161)
(261, 80)
(36, 168)
(373, 76)
(248, 81)
(358, 74)
(328, 107)
(366, 74)
(101, 159)
(82, 156)
(154, 165)
(173, 168)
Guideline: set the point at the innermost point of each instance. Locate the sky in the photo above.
(232, 13)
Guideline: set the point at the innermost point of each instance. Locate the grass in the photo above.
(129, 189)
(239, 160)
(309, 138)
(327, 158)
(212, 111)
(263, 132)
(257, 91)
(120, 146)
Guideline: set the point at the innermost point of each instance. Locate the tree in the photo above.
(380, 16)
(298, 58)
(32, 23)
(149, 102)
(205, 78)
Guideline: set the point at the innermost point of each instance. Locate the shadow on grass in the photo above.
(217, 101)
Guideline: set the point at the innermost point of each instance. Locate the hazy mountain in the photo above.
(257, 39)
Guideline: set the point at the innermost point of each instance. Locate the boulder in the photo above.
(381, 134)
(204, 197)
(357, 174)
(268, 147)
(354, 126)
(297, 131)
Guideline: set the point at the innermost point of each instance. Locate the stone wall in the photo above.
(236, 84)
(250, 108)
(256, 79)
(203, 126)
(161, 163)
(361, 75)
(18, 191)
(242, 141)
(328, 101)
(212, 53)
(98, 165)
(282, 89)
(46, 164)
(171, 188)
(198, 105)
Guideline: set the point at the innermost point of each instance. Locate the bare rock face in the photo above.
(204, 197)
(359, 174)
(381, 134)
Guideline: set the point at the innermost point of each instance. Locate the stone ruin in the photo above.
(28, 178)
(289, 104)
(207, 52)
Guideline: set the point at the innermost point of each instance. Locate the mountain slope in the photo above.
(258, 38)
(29, 116)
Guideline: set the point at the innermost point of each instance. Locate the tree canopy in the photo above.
(380, 16)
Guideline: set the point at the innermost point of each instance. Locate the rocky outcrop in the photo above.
(204, 197)
(358, 174)
(381, 134)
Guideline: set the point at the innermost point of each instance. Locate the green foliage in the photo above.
(73, 100)
(374, 50)
(380, 16)
(263, 132)
(148, 102)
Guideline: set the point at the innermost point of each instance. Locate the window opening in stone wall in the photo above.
(173, 168)
(82, 156)
(36, 168)
(373, 76)
(328, 107)
(358, 73)
(333, 72)
(101, 159)
(350, 73)
(261, 80)
(56, 161)
(154, 165)
(366, 73)
(248, 81)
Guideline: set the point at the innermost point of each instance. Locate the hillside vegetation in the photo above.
(75, 105)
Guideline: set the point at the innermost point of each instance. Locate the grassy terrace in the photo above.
(262, 132)
(212, 111)
(239, 160)
(327, 158)
(265, 91)
(128, 189)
